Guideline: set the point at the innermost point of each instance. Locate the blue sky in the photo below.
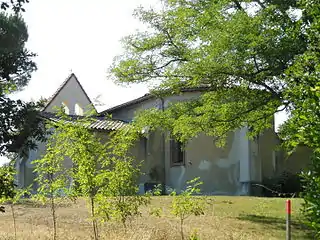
(81, 36)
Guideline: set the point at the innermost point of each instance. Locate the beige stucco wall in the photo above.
(71, 94)
(128, 113)
(218, 168)
(221, 170)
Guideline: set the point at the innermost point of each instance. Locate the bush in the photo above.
(311, 194)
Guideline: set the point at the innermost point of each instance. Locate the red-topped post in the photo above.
(288, 227)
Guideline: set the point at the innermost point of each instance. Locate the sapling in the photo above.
(73, 140)
(52, 178)
(118, 199)
(10, 194)
(184, 204)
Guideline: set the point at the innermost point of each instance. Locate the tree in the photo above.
(236, 51)
(52, 180)
(185, 204)
(251, 58)
(303, 126)
(6, 184)
(101, 172)
(19, 125)
(10, 194)
(75, 141)
(15, 5)
(118, 200)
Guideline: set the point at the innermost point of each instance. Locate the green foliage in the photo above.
(184, 204)
(235, 52)
(118, 200)
(15, 5)
(10, 194)
(19, 125)
(72, 141)
(7, 186)
(303, 126)
(194, 235)
(311, 195)
(250, 59)
(53, 178)
(9, 191)
(102, 172)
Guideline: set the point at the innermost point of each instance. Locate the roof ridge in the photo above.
(148, 96)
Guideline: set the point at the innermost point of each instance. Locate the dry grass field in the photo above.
(227, 218)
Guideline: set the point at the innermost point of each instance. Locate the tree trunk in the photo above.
(14, 222)
(181, 229)
(94, 221)
(53, 211)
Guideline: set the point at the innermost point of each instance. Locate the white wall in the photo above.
(71, 94)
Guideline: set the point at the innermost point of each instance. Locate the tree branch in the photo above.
(238, 5)
(260, 4)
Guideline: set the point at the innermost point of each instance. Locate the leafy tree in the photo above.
(101, 172)
(303, 126)
(250, 58)
(237, 52)
(88, 154)
(15, 5)
(19, 125)
(184, 204)
(52, 175)
(10, 194)
(118, 199)
(6, 184)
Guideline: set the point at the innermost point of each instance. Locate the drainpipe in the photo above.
(163, 150)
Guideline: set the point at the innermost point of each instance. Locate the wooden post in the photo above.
(288, 222)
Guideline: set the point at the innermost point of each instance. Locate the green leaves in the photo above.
(19, 127)
(311, 194)
(118, 199)
(186, 204)
(237, 54)
(7, 186)
(9, 193)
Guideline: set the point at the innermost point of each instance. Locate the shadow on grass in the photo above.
(279, 224)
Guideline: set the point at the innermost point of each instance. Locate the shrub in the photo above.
(311, 194)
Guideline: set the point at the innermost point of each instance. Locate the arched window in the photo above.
(65, 107)
(78, 110)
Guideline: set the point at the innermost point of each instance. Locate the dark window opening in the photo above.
(176, 153)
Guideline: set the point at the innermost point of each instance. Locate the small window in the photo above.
(66, 109)
(177, 153)
(78, 110)
(143, 147)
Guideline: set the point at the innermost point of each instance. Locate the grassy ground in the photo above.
(227, 218)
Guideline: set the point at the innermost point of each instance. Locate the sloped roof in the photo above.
(98, 122)
(148, 96)
(72, 75)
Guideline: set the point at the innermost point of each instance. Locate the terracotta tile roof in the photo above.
(98, 122)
